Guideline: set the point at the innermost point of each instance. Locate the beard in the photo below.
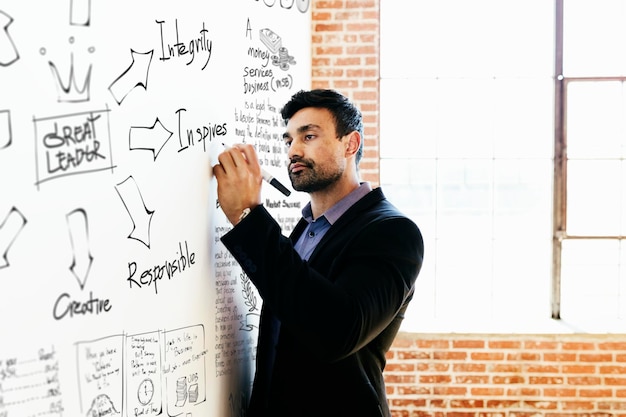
(314, 178)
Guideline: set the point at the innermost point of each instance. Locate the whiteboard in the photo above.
(116, 296)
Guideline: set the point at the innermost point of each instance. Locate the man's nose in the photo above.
(294, 149)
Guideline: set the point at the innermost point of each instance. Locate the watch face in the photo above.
(303, 5)
(145, 391)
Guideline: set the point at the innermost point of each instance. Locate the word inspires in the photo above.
(181, 262)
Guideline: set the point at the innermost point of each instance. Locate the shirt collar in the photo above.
(336, 211)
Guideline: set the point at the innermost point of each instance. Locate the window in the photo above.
(468, 96)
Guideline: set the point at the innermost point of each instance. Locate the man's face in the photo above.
(316, 155)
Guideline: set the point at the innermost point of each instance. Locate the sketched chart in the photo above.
(10, 228)
(151, 138)
(8, 51)
(78, 228)
(136, 75)
(137, 210)
(6, 135)
(30, 384)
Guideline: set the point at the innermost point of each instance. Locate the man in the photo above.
(335, 292)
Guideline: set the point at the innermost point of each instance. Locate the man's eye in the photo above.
(309, 137)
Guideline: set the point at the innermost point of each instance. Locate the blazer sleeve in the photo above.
(347, 300)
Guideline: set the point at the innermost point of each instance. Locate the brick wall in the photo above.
(452, 375)
(507, 375)
(344, 57)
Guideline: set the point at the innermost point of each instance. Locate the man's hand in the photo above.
(239, 179)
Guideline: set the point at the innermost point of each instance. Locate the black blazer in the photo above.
(326, 324)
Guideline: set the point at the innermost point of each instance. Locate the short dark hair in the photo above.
(347, 116)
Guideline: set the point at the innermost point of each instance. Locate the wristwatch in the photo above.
(244, 213)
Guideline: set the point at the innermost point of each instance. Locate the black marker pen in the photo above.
(270, 179)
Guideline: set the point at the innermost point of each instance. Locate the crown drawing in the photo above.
(70, 90)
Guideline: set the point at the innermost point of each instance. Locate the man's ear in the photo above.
(353, 144)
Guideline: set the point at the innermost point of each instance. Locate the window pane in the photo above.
(451, 38)
(523, 118)
(595, 197)
(466, 145)
(590, 283)
(595, 120)
(593, 38)
(408, 126)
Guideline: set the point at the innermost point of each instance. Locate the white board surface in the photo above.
(116, 296)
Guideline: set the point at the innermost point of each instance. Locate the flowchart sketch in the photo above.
(143, 386)
(8, 51)
(78, 227)
(136, 75)
(185, 369)
(137, 210)
(29, 384)
(10, 227)
(100, 376)
(72, 144)
(6, 136)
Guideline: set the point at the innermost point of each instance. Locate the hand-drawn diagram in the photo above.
(143, 359)
(12, 225)
(63, 66)
(145, 392)
(253, 316)
(71, 91)
(80, 12)
(6, 136)
(137, 210)
(29, 384)
(185, 369)
(78, 227)
(274, 43)
(8, 51)
(72, 144)
(151, 138)
(100, 376)
(136, 75)
(102, 406)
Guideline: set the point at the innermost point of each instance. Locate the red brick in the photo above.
(487, 356)
(469, 344)
(559, 357)
(577, 405)
(578, 346)
(596, 357)
(504, 344)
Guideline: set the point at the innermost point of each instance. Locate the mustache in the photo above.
(298, 159)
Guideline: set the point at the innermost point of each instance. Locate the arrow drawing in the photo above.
(136, 75)
(149, 138)
(8, 51)
(136, 208)
(5, 129)
(79, 238)
(12, 225)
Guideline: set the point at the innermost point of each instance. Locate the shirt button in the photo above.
(311, 234)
